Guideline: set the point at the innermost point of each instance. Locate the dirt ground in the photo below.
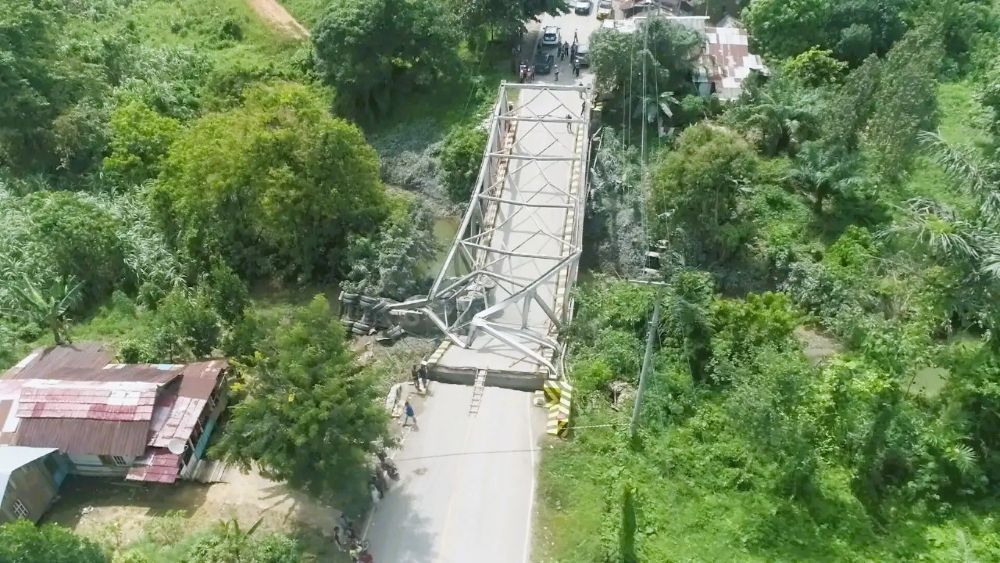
(92, 506)
(278, 17)
(817, 347)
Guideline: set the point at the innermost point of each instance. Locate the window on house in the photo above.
(119, 461)
(19, 509)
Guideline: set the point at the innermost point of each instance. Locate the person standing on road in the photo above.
(574, 37)
(576, 68)
(408, 410)
(564, 47)
(422, 373)
(557, 73)
(569, 123)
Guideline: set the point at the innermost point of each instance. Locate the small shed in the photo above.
(29, 481)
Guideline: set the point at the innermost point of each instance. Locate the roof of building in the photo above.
(157, 466)
(729, 59)
(96, 408)
(14, 457)
(45, 360)
(85, 437)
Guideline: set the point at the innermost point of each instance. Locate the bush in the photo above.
(461, 155)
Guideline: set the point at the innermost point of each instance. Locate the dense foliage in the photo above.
(310, 415)
(826, 357)
(301, 180)
(374, 50)
(22, 542)
(461, 154)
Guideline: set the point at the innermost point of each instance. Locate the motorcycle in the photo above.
(388, 466)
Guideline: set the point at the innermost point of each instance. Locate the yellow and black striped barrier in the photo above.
(560, 397)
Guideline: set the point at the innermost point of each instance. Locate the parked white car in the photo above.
(551, 36)
(604, 10)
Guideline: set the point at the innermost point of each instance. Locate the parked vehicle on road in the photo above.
(582, 7)
(604, 10)
(582, 55)
(544, 62)
(551, 36)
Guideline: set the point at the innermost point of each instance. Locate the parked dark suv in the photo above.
(543, 62)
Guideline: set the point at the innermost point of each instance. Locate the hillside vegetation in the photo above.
(824, 386)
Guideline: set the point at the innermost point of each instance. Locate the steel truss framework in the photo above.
(522, 187)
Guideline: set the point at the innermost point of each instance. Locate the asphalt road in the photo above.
(466, 483)
(568, 24)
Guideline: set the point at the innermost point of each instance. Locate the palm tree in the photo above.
(823, 171)
(776, 118)
(653, 108)
(46, 307)
(939, 230)
(981, 179)
(977, 176)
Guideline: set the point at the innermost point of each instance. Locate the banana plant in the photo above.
(46, 307)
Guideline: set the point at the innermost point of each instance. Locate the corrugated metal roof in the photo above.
(200, 378)
(179, 423)
(96, 400)
(85, 437)
(46, 360)
(70, 398)
(13, 457)
(157, 466)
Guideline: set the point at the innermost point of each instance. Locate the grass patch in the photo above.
(961, 122)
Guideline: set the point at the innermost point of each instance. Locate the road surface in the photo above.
(466, 484)
(466, 492)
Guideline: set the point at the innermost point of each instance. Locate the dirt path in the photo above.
(278, 17)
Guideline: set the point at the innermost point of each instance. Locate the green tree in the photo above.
(824, 171)
(906, 102)
(699, 187)
(689, 298)
(815, 67)
(34, 87)
(228, 543)
(778, 116)
(77, 234)
(852, 29)
(372, 50)
(989, 96)
(140, 138)
(390, 263)
(460, 156)
(502, 18)
(669, 51)
(310, 416)
(279, 190)
(23, 542)
(184, 327)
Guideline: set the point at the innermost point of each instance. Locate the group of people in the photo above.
(569, 51)
(347, 540)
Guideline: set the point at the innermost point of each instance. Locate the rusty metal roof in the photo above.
(95, 400)
(85, 437)
(199, 379)
(69, 397)
(46, 360)
(157, 466)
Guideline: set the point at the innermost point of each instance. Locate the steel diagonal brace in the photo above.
(485, 327)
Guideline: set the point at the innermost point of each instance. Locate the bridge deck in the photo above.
(538, 206)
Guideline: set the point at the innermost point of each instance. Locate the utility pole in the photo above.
(647, 361)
